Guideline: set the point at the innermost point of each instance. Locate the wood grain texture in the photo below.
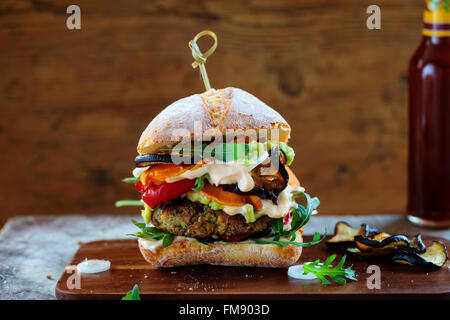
(216, 282)
(73, 103)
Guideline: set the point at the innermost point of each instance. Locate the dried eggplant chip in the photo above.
(356, 253)
(367, 244)
(435, 256)
(367, 231)
(381, 243)
(417, 244)
(380, 236)
(363, 256)
(343, 234)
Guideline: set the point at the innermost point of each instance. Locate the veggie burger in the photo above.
(215, 184)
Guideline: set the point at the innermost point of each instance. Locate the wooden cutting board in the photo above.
(216, 282)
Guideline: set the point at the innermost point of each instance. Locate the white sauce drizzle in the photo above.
(151, 245)
(235, 172)
(232, 172)
(155, 245)
(285, 203)
(138, 171)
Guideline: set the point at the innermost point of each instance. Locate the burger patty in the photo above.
(192, 219)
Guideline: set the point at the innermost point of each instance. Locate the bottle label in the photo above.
(436, 18)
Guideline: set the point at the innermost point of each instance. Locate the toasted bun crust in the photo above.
(187, 251)
(218, 112)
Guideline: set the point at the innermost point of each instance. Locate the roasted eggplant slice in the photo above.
(343, 234)
(152, 159)
(417, 244)
(435, 256)
(381, 244)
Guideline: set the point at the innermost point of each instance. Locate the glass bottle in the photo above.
(429, 121)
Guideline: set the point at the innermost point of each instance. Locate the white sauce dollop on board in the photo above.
(93, 266)
(297, 272)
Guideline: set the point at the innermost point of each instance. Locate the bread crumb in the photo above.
(49, 277)
(79, 242)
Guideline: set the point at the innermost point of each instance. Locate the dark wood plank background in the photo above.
(73, 103)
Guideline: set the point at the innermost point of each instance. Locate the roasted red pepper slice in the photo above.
(139, 187)
(157, 194)
(287, 218)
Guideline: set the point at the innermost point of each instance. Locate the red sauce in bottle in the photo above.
(429, 122)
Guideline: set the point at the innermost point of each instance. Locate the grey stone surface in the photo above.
(32, 247)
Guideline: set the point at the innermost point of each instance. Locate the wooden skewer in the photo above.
(199, 57)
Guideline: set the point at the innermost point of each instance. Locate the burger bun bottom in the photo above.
(188, 251)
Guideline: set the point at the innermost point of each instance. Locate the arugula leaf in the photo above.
(317, 238)
(167, 240)
(152, 233)
(179, 149)
(234, 151)
(337, 274)
(221, 151)
(133, 294)
(202, 241)
(200, 182)
(130, 180)
(124, 203)
(277, 228)
(447, 5)
(140, 225)
(300, 216)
